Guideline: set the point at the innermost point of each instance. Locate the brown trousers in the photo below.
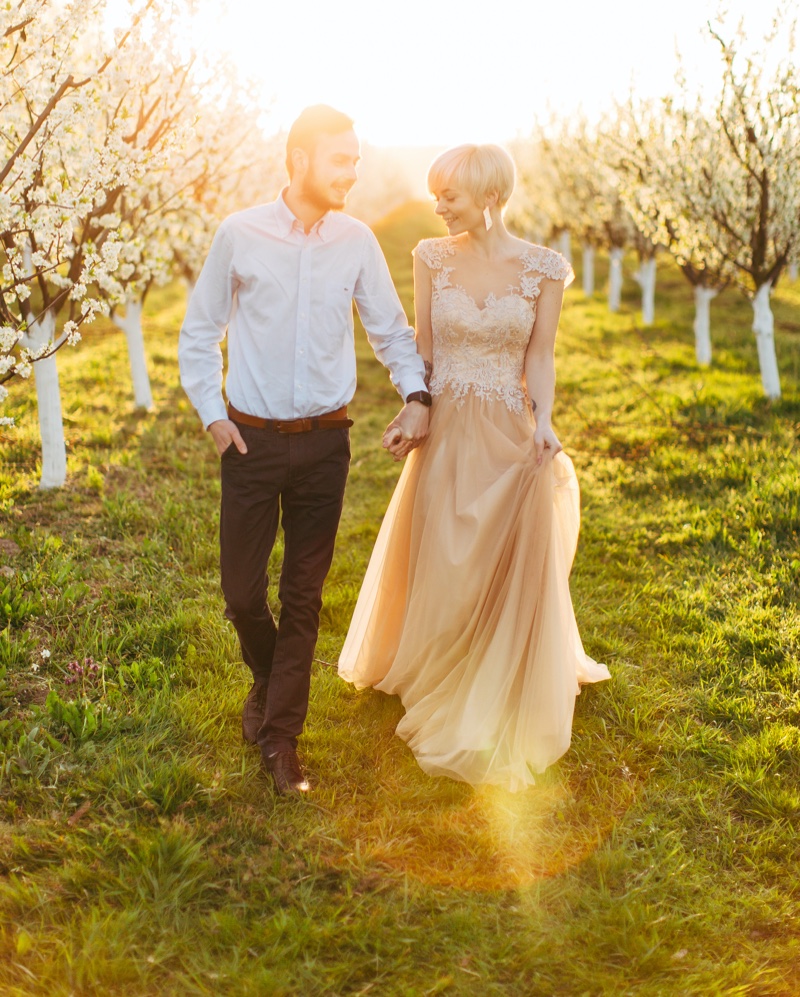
(300, 479)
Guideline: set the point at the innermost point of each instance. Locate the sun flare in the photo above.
(425, 75)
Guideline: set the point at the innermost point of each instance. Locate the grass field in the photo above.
(143, 853)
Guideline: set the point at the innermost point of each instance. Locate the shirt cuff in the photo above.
(411, 383)
(212, 411)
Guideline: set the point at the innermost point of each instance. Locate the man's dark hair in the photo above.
(313, 123)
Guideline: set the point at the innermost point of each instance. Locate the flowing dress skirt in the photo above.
(465, 611)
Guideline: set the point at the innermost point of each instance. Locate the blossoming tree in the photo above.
(753, 195)
(563, 176)
(662, 151)
(219, 163)
(722, 190)
(59, 239)
(115, 173)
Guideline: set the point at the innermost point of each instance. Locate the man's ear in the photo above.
(300, 161)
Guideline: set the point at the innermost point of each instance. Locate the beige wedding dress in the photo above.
(465, 610)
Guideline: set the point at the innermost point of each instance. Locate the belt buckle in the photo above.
(292, 426)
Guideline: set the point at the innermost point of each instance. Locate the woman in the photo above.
(465, 610)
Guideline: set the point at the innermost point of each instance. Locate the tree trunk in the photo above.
(646, 279)
(702, 323)
(131, 325)
(764, 328)
(793, 270)
(588, 271)
(48, 399)
(565, 245)
(615, 279)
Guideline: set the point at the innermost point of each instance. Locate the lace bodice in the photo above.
(481, 350)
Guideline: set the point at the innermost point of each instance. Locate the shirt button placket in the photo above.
(302, 332)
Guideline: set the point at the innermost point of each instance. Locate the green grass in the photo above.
(143, 853)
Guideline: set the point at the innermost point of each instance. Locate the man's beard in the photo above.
(317, 195)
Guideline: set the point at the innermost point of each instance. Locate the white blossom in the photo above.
(70, 331)
(722, 190)
(133, 158)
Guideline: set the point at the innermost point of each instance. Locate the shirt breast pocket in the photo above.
(339, 301)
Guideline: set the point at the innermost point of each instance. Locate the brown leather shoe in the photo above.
(253, 713)
(287, 774)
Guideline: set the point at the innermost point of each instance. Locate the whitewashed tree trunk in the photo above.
(764, 328)
(131, 325)
(588, 271)
(615, 279)
(48, 399)
(703, 297)
(793, 266)
(646, 279)
(565, 245)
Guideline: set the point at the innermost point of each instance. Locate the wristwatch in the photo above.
(420, 396)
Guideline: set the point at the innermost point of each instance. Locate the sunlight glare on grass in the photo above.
(487, 839)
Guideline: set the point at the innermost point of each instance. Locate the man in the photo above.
(281, 279)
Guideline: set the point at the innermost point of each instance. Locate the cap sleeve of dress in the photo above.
(555, 266)
(433, 252)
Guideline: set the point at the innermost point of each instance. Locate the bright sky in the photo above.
(442, 72)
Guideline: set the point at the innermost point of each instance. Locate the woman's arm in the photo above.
(540, 367)
(422, 315)
(393, 439)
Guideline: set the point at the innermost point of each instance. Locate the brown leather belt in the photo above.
(330, 420)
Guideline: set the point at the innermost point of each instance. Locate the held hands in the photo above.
(545, 443)
(224, 432)
(407, 430)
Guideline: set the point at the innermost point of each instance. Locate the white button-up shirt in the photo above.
(286, 301)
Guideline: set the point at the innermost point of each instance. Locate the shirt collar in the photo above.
(286, 220)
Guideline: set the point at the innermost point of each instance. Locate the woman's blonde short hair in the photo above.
(478, 169)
